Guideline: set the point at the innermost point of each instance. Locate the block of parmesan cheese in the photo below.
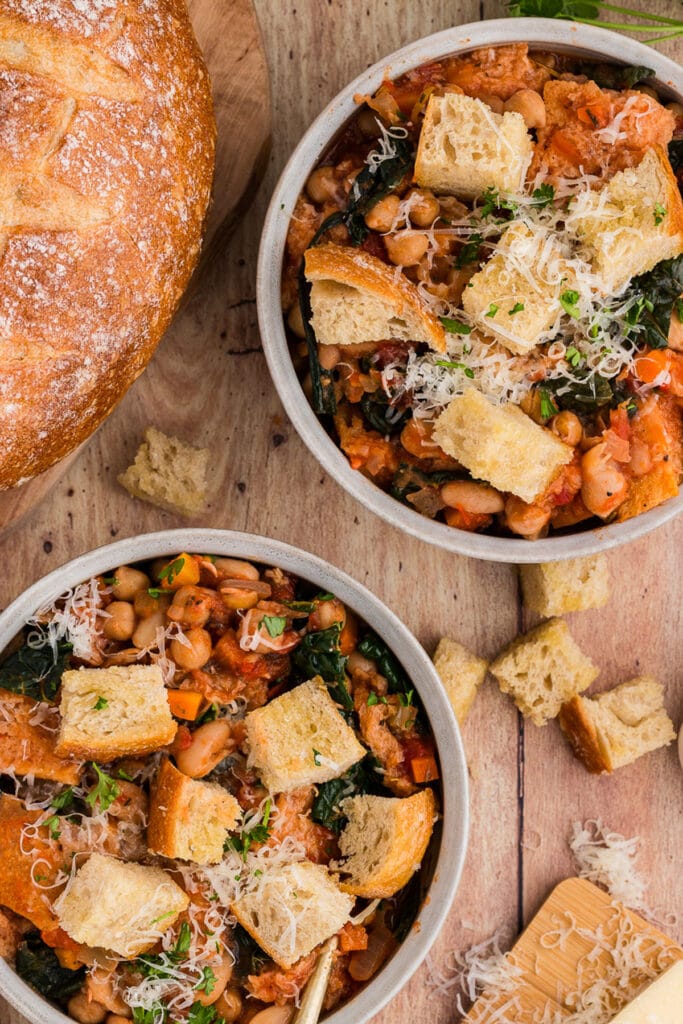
(660, 1003)
(465, 147)
(501, 445)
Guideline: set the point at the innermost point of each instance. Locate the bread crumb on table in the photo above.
(168, 473)
(461, 673)
(555, 588)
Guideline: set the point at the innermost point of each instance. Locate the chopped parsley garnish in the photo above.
(374, 699)
(110, 581)
(173, 569)
(492, 310)
(548, 407)
(207, 982)
(63, 799)
(406, 699)
(543, 196)
(154, 591)
(317, 758)
(163, 965)
(492, 200)
(450, 365)
(53, 823)
(517, 308)
(204, 1015)
(454, 326)
(573, 356)
(659, 213)
(568, 301)
(157, 1014)
(258, 834)
(100, 704)
(275, 624)
(105, 790)
(122, 774)
(469, 252)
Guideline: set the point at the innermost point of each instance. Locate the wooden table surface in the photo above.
(526, 789)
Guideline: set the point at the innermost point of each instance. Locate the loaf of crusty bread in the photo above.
(618, 726)
(106, 163)
(168, 473)
(555, 588)
(500, 444)
(543, 669)
(355, 298)
(384, 841)
(294, 908)
(461, 673)
(107, 713)
(633, 223)
(300, 739)
(189, 819)
(119, 906)
(465, 147)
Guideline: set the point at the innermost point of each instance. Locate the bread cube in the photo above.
(501, 445)
(633, 223)
(542, 670)
(189, 819)
(294, 908)
(119, 906)
(461, 673)
(515, 297)
(27, 746)
(300, 739)
(168, 473)
(114, 712)
(555, 588)
(384, 841)
(355, 298)
(465, 147)
(617, 727)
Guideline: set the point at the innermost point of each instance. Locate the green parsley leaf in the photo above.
(573, 356)
(548, 407)
(449, 364)
(121, 774)
(207, 982)
(169, 572)
(454, 326)
(317, 758)
(568, 301)
(158, 1014)
(110, 581)
(100, 704)
(469, 252)
(53, 824)
(63, 799)
(492, 310)
(659, 213)
(543, 196)
(154, 591)
(163, 965)
(275, 624)
(105, 790)
(258, 834)
(517, 308)
(406, 699)
(204, 1015)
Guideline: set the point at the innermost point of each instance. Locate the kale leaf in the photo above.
(360, 779)
(34, 671)
(660, 289)
(373, 647)
(408, 479)
(584, 392)
(38, 965)
(382, 416)
(318, 654)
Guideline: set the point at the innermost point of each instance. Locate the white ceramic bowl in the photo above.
(453, 840)
(561, 36)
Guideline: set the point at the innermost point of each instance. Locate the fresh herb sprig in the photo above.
(105, 790)
(590, 14)
(258, 834)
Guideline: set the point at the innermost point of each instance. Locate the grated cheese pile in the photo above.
(608, 859)
(73, 616)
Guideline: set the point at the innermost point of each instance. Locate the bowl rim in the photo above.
(565, 36)
(454, 777)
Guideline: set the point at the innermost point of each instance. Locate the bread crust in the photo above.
(106, 164)
(579, 728)
(359, 269)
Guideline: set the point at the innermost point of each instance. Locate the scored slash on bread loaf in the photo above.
(555, 588)
(618, 726)
(465, 147)
(356, 298)
(119, 906)
(168, 473)
(300, 739)
(106, 162)
(542, 670)
(189, 819)
(293, 909)
(633, 223)
(384, 842)
(27, 741)
(501, 445)
(135, 719)
(461, 673)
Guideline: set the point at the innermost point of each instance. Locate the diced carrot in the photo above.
(184, 703)
(649, 366)
(566, 146)
(182, 571)
(424, 769)
(352, 937)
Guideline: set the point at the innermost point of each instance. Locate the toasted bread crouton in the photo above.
(384, 841)
(465, 147)
(293, 909)
(501, 445)
(515, 297)
(114, 712)
(355, 298)
(27, 741)
(189, 819)
(169, 473)
(617, 727)
(633, 223)
(555, 588)
(542, 670)
(300, 739)
(21, 847)
(461, 673)
(119, 906)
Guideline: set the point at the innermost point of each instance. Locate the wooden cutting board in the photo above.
(554, 966)
(229, 35)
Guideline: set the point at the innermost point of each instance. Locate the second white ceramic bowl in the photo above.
(540, 33)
